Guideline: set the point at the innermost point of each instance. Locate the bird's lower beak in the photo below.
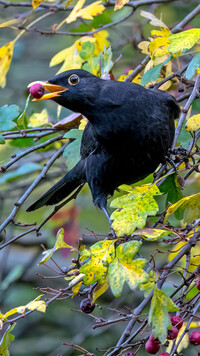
(53, 89)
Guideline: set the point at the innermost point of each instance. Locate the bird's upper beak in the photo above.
(53, 89)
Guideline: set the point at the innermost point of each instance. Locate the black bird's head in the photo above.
(74, 89)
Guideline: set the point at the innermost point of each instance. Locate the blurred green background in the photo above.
(43, 334)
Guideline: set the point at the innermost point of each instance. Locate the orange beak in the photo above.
(54, 90)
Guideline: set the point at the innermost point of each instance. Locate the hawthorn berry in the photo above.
(152, 345)
(164, 354)
(195, 338)
(177, 321)
(37, 90)
(172, 333)
(198, 284)
(86, 305)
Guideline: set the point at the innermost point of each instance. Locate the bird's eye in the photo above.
(73, 79)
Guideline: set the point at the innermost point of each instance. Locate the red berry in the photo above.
(172, 333)
(151, 347)
(87, 306)
(198, 284)
(37, 90)
(177, 321)
(195, 338)
(164, 354)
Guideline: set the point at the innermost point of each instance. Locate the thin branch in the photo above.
(137, 311)
(193, 96)
(32, 149)
(31, 188)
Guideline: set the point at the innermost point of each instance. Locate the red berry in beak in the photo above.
(37, 90)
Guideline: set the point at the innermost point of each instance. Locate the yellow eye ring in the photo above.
(73, 79)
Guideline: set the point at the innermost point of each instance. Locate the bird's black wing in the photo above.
(89, 143)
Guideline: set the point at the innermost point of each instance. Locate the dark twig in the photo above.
(193, 95)
(32, 149)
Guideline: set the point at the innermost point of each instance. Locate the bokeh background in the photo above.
(43, 334)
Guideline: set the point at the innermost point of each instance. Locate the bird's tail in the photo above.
(62, 188)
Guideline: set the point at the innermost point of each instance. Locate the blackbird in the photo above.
(129, 132)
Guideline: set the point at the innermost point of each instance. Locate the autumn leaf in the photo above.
(193, 123)
(184, 40)
(154, 20)
(99, 290)
(87, 13)
(6, 53)
(150, 234)
(101, 254)
(119, 4)
(150, 284)
(36, 3)
(161, 305)
(59, 244)
(38, 119)
(194, 258)
(124, 269)
(133, 208)
(188, 209)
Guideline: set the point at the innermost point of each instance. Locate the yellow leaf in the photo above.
(38, 119)
(36, 3)
(99, 290)
(144, 46)
(100, 41)
(133, 208)
(120, 3)
(9, 23)
(154, 20)
(59, 244)
(67, 3)
(69, 56)
(37, 305)
(159, 46)
(6, 53)
(137, 79)
(153, 234)
(9, 313)
(87, 12)
(72, 120)
(188, 208)
(193, 123)
(124, 269)
(195, 256)
(184, 40)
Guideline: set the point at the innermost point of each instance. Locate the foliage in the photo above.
(153, 258)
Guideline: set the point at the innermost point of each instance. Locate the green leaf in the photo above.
(106, 62)
(161, 305)
(101, 254)
(193, 66)
(124, 269)
(2, 140)
(173, 190)
(87, 50)
(72, 151)
(153, 234)
(188, 208)
(133, 208)
(20, 172)
(6, 340)
(184, 40)
(7, 116)
(184, 138)
(153, 73)
(59, 244)
(150, 284)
